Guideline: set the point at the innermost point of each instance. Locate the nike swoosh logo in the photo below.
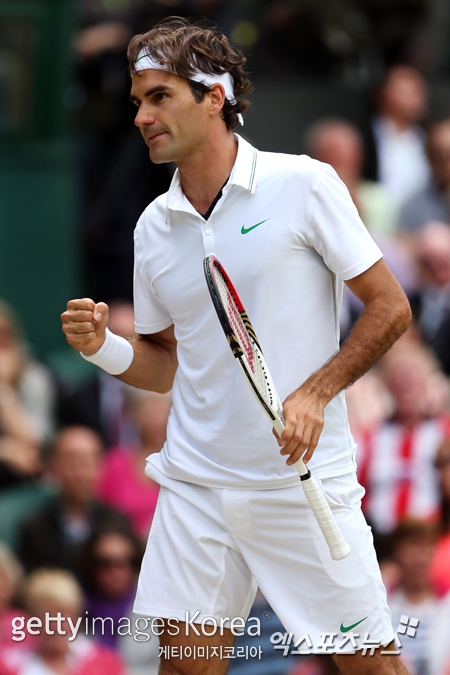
(347, 628)
(248, 229)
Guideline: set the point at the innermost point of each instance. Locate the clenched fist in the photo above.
(84, 324)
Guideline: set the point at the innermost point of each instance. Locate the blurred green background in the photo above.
(38, 204)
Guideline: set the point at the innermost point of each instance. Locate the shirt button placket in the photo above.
(208, 239)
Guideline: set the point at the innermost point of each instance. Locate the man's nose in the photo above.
(144, 116)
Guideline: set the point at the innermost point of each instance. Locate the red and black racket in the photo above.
(248, 353)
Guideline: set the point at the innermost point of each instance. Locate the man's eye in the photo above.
(160, 96)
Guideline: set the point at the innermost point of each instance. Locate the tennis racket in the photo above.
(245, 347)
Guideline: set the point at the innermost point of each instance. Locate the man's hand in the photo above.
(84, 324)
(303, 413)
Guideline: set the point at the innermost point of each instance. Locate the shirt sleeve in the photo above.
(150, 315)
(335, 229)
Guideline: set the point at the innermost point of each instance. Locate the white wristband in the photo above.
(115, 355)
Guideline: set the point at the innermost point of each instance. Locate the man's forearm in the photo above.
(154, 364)
(381, 323)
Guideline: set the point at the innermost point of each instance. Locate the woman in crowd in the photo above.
(10, 577)
(110, 564)
(48, 592)
(26, 403)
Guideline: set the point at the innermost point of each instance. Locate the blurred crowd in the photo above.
(75, 504)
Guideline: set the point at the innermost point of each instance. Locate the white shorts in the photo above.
(210, 548)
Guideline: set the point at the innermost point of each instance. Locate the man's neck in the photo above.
(400, 123)
(203, 176)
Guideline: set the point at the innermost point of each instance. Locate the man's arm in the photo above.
(155, 361)
(386, 316)
(154, 356)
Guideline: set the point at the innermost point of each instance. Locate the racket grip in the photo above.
(339, 548)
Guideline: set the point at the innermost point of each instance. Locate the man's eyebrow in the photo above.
(150, 92)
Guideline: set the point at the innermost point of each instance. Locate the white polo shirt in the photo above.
(288, 235)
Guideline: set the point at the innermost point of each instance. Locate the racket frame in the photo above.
(209, 263)
(339, 549)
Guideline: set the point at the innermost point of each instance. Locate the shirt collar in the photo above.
(243, 174)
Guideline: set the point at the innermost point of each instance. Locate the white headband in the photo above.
(146, 62)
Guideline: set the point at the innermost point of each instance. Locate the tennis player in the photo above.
(231, 513)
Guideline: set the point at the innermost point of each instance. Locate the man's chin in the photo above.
(159, 159)
(159, 155)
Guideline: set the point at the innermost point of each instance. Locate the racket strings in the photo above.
(250, 351)
(240, 332)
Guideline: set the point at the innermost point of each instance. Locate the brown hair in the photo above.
(413, 530)
(186, 47)
(88, 562)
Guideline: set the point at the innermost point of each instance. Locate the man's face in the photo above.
(170, 120)
(414, 557)
(76, 463)
(115, 565)
(405, 95)
(340, 147)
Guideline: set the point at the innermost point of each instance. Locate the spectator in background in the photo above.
(53, 591)
(400, 157)
(124, 484)
(26, 403)
(440, 566)
(110, 563)
(431, 202)
(10, 577)
(52, 537)
(412, 546)
(340, 144)
(431, 303)
(396, 460)
(102, 402)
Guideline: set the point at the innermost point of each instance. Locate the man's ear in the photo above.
(216, 98)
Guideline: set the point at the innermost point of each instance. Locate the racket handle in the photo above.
(339, 548)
